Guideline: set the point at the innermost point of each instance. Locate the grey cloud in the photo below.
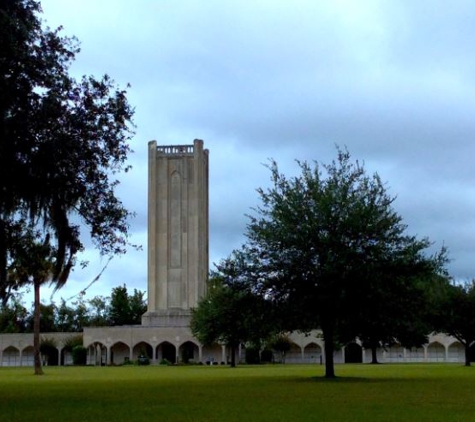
(393, 81)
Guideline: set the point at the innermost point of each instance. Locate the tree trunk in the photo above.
(233, 356)
(3, 264)
(36, 329)
(374, 355)
(329, 349)
(467, 354)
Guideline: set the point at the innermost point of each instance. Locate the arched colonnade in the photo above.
(120, 352)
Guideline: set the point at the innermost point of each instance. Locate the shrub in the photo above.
(72, 342)
(79, 354)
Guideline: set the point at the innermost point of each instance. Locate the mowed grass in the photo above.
(411, 392)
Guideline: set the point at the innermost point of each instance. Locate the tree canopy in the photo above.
(231, 313)
(126, 309)
(61, 143)
(455, 314)
(315, 239)
(73, 316)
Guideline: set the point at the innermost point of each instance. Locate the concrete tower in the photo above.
(177, 232)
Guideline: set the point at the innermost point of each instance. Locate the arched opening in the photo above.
(293, 355)
(66, 357)
(189, 352)
(28, 356)
(396, 353)
(49, 352)
(353, 353)
(312, 353)
(11, 356)
(212, 354)
(142, 349)
(166, 351)
(436, 352)
(456, 352)
(416, 354)
(97, 354)
(120, 353)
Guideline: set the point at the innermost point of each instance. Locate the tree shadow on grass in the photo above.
(351, 380)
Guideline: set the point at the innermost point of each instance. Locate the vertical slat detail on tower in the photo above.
(178, 232)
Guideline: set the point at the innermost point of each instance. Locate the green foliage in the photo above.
(138, 306)
(65, 317)
(379, 322)
(79, 353)
(221, 316)
(13, 316)
(231, 313)
(73, 341)
(456, 314)
(281, 344)
(99, 311)
(47, 318)
(125, 309)
(61, 143)
(119, 308)
(315, 240)
(68, 316)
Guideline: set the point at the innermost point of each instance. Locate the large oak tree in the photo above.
(315, 236)
(62, 141)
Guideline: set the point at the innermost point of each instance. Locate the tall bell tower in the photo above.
(178, 250)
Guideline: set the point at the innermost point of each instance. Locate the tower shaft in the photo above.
(177, 232)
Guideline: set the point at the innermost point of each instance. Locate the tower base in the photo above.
(167, 318)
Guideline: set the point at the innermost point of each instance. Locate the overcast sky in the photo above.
(394, 81)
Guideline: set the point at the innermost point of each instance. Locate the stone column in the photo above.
(223, 354)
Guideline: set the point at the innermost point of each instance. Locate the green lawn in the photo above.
(412, 392)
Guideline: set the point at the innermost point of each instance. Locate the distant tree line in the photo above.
(120, 308)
